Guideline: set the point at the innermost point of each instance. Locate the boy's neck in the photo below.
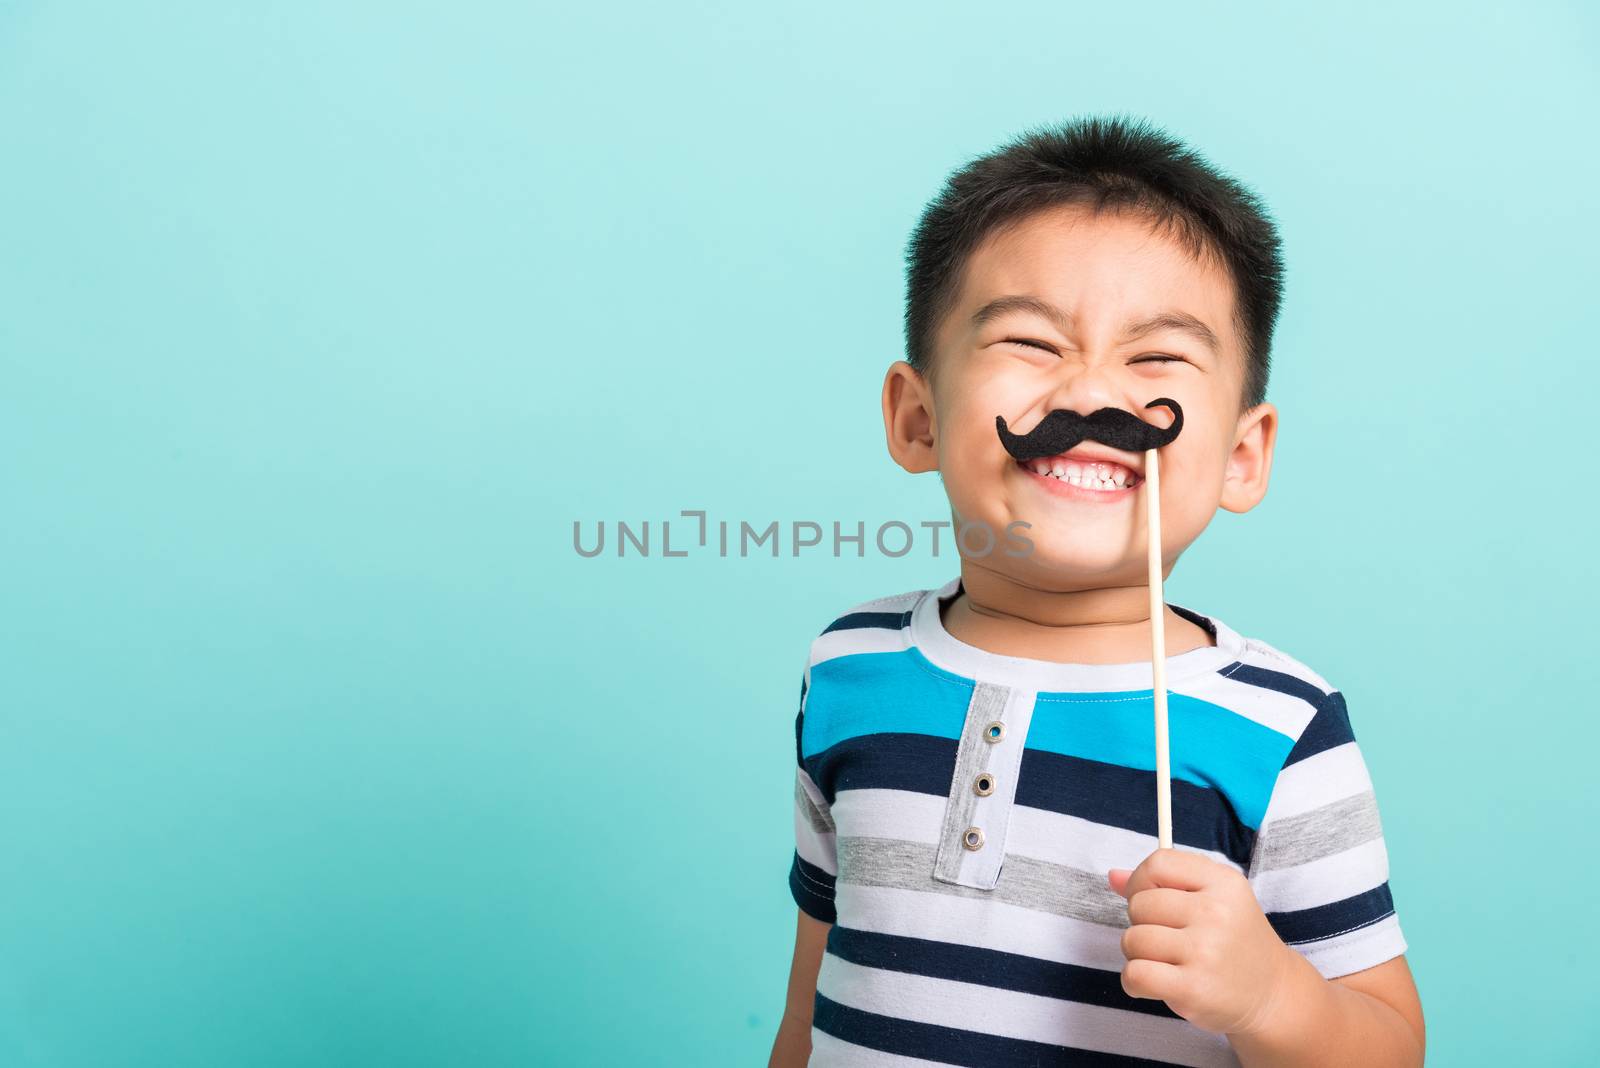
(1105, 625)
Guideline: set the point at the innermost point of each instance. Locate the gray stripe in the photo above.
(821, 822)
(1323, 831)
(987, 704)
(1024, 881)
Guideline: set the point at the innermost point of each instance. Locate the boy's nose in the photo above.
(1085, 388)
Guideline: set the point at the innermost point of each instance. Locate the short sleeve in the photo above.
(1319, 867)
(812, 875)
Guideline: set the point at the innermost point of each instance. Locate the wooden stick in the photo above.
(1158, 649)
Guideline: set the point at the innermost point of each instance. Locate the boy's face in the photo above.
(1102, 274)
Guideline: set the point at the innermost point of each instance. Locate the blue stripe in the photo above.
(901, 692)
(1209, 745)
(952, 1045)
(1107, 794)
(813, 889)
(868, 620)
(1335, 918)
(990, 967)
(866, 693)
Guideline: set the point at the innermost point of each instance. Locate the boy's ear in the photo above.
(1250, 463)
(908, 419)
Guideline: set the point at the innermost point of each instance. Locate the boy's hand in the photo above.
(1199, 941)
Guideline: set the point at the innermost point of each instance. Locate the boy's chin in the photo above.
(1063, 567)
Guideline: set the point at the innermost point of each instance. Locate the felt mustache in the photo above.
(1064, 428)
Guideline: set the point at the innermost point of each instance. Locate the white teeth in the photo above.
(1095, 476)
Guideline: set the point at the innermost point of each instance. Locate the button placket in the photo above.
(983, 787)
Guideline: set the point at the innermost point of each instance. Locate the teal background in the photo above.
(319, 745)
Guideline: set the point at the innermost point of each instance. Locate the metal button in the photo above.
(973, 839)
(983, 786)
(994, 731)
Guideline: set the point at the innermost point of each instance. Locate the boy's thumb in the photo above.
(1118, 878)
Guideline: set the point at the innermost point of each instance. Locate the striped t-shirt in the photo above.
(956, 812)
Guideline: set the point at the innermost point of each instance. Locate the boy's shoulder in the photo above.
(1255, 652)
(1281, 692)
(882, 624)
(892, 612)
(1257, 675)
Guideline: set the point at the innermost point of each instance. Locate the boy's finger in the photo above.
(1171, 868)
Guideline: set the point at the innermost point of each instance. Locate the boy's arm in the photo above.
(1371, 1017)
(792, 1048)
(1300, 961)
(812, 876)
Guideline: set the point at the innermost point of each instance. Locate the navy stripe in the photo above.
(1278, 682)
(813, 889)
(952, 1045)
(799, 725)
(990, 967)
(869, 620)
(886, 760)
(1108, 794)
(1335, 918)
(1330, 727)
(1203, 622)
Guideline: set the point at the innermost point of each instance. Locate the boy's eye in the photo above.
(1143, 359)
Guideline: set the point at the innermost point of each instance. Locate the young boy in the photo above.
(975, 776)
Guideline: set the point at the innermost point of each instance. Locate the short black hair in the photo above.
(1114, 162)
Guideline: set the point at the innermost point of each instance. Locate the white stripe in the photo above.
(1363, 948)
(1275, 659)
(983, 923)
(896, 602)
(1324, 880)
(1012, 1014)
(1034, 832)
(839, 643)
(830, 1052)
(1276, 711)
(818, 847)
(1095, 847)
(1331, 775)
(878, 813)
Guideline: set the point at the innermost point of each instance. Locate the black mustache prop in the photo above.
(1064, 428)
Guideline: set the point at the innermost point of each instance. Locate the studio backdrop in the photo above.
(325, 328)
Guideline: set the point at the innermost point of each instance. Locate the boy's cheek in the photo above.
(968, 457)
(1191, 477)
(972, 485)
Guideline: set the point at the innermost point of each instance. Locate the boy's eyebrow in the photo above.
(1172, 319)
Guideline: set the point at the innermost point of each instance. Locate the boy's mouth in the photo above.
(1092, 476)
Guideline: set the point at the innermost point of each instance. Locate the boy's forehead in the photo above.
(1112, 266)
